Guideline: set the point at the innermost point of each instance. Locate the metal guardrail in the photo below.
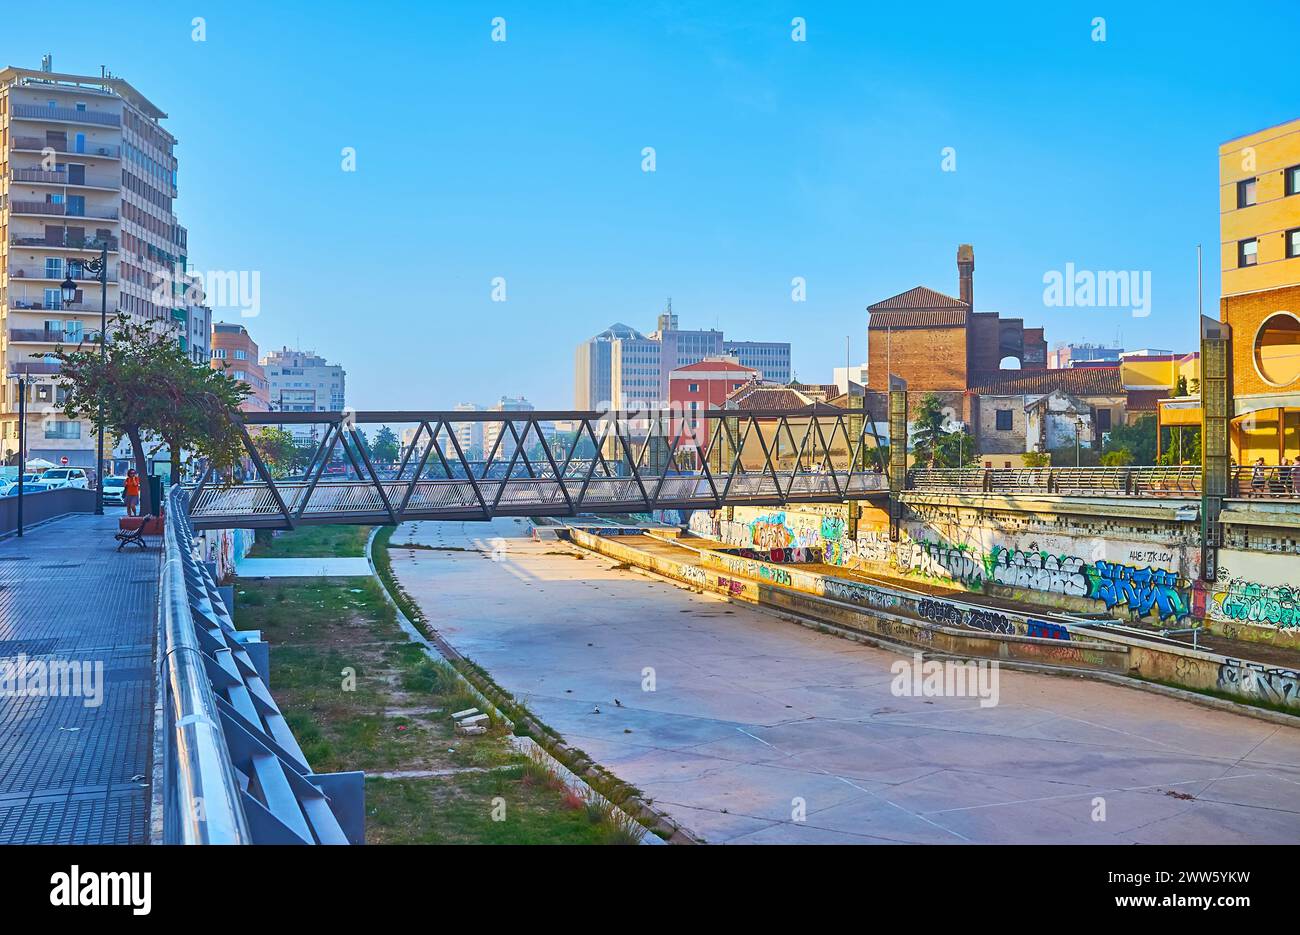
(232, 771)
(66, 115)
(1174, 482)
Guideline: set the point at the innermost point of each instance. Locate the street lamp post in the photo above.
(22, 443)
(1078, 428)
(98, 266)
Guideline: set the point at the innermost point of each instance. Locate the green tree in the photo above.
(1139, 439)
(140, 384)
(1117, 457)
(200, 417)
(1037, 459)
(935, 441)
(277, 448)
(927, 428)
(386, 447)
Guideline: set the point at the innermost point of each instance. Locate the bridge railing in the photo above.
(1182, 481)
(1266, 482)
(232, 772)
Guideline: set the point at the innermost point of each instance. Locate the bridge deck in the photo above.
(73, 773)
(360, 501)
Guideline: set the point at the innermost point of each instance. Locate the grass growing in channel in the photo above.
(358, 695)
(315, 542)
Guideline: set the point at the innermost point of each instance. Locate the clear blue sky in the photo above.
(776, 159)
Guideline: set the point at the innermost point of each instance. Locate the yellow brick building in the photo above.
(1259, 250)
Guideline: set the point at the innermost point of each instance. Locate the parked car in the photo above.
(65, 477)
(114, 489)
(10, 488)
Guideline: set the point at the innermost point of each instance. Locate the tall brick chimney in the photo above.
(966, 274)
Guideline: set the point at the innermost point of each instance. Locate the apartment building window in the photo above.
(56, 428)
(241, 355)
(1245, 193)
(693, 388)
(219, 353)
(1293, 242)
(1247, 252)
(53, 267)
(1103, 420)
(1004, 420)
(1293, 180)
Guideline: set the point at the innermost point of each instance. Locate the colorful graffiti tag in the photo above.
(1045, 630)
(1252, 602)
(1140, 590)
(949, 563)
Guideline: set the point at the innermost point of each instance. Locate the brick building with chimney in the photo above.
(939, 344)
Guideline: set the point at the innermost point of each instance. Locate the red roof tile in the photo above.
(1086, 381)
(919, 297)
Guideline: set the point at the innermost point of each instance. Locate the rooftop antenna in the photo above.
(47, 62)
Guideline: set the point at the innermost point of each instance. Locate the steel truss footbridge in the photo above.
(548, 464)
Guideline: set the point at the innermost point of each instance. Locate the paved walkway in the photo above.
(754, 720)
(73, 771)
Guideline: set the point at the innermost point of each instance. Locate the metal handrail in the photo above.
(1145, 481)
(202, 798)
(233, 771)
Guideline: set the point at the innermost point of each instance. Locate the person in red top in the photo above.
(131, 491)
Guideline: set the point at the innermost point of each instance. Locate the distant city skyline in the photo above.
(775, 160)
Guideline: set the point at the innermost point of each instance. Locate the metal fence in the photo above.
(232, 772)
(1173, 482)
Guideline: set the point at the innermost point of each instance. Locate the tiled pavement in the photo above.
(72, 773)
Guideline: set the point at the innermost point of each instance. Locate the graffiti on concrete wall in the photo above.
(694, 574)
(853, 593)
(945, 562)
(939, 612)
(795, 556)
(1039, 571)
(1141, 591)
(706, 523)
(1045, 630)
(1245, 601)
(977, 618)
(1280, 686)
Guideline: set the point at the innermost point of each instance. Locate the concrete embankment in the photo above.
(944, 625)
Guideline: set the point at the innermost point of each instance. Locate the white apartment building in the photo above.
(85, 166)
(302, 381)
(493, 429)
(469, 435)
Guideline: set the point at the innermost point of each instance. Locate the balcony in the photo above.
(32, 368)
(34, 144)
(47, 275)
(45, 177)
(60, 210)
(43, 336)
(67, 240)
(66, 115)
(35, 305)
